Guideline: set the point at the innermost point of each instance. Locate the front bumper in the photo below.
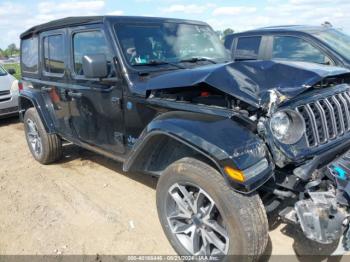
(9, 104)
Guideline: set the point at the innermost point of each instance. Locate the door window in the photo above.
(297, 49)
(29, 55)
(248, 48)
(54, 54)
(89, 43)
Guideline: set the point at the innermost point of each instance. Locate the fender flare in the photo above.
(219, 139)
(36, 99)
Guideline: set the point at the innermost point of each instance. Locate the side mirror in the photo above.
(11, 71)
(95, 66)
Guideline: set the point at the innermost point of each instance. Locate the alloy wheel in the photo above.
(196, 221)
(34, 137)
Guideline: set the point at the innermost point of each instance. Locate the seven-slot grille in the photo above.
(326, 119)
(4, 93)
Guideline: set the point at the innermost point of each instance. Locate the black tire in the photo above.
(51, 143)
(244, 215)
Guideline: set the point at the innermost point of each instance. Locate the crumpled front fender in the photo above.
(224, 141)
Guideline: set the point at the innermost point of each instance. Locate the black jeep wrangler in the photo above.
(230, 142)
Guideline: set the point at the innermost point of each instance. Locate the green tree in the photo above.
(228, 31)
(12, 49)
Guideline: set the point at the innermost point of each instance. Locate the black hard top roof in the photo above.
(83, 20)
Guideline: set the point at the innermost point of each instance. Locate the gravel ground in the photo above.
(85, 204)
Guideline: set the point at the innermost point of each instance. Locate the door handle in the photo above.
(45, 88)
(74, 94)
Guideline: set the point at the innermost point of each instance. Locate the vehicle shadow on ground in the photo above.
(72, 152)
(305, 250)
(9, 121)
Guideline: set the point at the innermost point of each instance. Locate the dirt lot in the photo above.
(86, 205)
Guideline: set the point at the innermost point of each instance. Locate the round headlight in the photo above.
(287, 126)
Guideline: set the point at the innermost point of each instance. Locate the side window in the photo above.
(54, 54)
(248, 48)
(88, 43)
(296, 49)
(30, 55)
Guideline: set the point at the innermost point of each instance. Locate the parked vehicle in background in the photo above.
(8, 93)
(316, 44)
(230, 141)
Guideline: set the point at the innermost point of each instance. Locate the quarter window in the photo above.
(296, 49)
(29, 55)
(89, 43)
(54, 54)
(248, 48)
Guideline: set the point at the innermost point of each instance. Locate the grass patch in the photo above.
(16, 67)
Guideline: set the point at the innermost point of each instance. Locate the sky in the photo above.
(18, 15)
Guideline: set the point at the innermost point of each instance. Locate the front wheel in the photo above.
(202, 215)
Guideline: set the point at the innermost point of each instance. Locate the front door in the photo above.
(95, 105)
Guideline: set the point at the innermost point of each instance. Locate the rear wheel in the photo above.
(201, 215)
(45, 148)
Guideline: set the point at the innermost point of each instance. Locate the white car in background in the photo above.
(8, 93)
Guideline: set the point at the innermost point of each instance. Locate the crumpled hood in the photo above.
(250, 81)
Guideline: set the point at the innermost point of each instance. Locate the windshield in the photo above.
(337, 40)
(169, 43)
(2, 71)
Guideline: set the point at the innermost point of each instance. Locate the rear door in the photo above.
(54, 80)
(96, 105)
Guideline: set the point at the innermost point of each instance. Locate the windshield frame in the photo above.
(160, 67)
(318, 36)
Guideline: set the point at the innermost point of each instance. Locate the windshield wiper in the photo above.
(197, 59)
(159, 62)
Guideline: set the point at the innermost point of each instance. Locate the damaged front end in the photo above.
(299, 112)
(308, 137)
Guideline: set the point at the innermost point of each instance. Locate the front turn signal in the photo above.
(235, 174)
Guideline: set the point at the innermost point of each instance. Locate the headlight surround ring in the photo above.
(287, 126)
